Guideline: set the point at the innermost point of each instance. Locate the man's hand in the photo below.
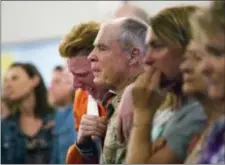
(145, 92)
(91, 125)
(125, 115)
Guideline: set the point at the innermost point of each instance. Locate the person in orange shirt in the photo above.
(76, 46)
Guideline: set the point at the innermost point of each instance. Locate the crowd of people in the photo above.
(136, 89)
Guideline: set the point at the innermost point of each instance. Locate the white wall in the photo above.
(32, 20)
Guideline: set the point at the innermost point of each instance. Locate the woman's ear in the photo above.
(135, 56)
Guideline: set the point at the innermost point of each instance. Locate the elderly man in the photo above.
(116, 62)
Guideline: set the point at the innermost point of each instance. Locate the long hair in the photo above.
(208, 21)
(171, 25)
(42, 106)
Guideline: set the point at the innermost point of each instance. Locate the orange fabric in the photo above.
(79, 109)
(73, 156)
(80, 106)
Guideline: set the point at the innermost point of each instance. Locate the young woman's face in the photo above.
(17, 83)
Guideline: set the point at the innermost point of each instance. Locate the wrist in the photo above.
(143, 116)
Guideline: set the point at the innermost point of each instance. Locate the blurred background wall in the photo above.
(31, 30)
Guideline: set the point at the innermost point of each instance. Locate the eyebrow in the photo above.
(100, 45)
(214, 50)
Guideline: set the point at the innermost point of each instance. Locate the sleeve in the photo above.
(180, 133)
(88, 149)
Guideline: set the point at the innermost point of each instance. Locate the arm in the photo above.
(141, 149)
(176, 137)
(140, 146)
(146, 101)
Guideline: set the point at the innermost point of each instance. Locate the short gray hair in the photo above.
(133, 34)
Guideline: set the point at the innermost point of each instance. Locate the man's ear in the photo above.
(135, 55)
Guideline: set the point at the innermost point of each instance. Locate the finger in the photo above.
(94, 123)
(148, 75)
(91, 130)
(144, 78)
(119, 133)
(103, 120)
(155, 80)
(90, 117)
(89, 133)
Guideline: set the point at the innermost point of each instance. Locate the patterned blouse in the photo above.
(214, 149)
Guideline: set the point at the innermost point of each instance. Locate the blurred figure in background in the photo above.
(209, 29)
(26, 135)
(195, 85)
(76, 46)
(129, 10)
(61, 97)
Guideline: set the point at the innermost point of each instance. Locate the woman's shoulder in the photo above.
(9, 120)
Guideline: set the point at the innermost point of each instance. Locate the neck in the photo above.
(98, 93)
(64, 102)
(130, 78)
(27, 106)
(213, 109)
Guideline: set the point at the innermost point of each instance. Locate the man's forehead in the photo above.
(106, 33)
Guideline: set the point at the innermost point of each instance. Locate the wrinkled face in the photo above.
(164, 57)
(61, 87)
(108, 61)
(17, 83)
(213, 65)
(193, 80)
(80, 68)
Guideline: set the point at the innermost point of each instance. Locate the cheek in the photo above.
(168, 64)
(219, 66)
(23, 90)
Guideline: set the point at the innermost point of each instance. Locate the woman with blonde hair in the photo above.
(209, 30)
(180, 121)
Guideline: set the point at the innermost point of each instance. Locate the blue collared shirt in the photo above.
(65, 134)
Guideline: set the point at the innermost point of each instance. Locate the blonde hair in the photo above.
(208, 21)
(172, 25)
(80, 38)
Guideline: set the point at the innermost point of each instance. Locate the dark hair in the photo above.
(42, 106)
(58, 68)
